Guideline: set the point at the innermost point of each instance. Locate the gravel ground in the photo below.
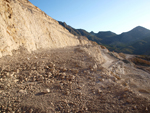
(67, 80)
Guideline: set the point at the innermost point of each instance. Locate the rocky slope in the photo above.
(72, 79)
(63, 73)
(23, 24)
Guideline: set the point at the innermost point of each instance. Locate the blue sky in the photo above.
(98, 15)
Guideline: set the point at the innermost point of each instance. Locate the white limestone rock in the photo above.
(23, 24)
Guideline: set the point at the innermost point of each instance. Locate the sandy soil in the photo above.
(67, 80)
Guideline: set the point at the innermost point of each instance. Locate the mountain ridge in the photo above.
(124, 42)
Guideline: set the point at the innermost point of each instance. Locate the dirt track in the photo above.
(63, 80)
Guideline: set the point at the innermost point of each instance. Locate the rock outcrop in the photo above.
(23, 24)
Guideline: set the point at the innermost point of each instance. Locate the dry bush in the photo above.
(103, 47)
(94, 43)
(140, 61)
(122, 55)
(145, 57)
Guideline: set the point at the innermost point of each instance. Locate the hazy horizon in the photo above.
(99, 15)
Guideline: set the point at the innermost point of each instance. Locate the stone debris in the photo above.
(46, 91)
(23, 91)
(50, 84)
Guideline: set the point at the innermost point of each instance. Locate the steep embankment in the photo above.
(127, 73)
(23, 24)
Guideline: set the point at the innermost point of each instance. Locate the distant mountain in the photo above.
(80, 32)
(135, 34)
(105, 34)
(70, 29)
(135, 41)
(132, 42)
(97, 37)
(142, 46)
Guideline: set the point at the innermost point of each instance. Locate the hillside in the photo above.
(80, 32)
(132, 42)
(135, 41)
(25, 25)
(142, 46)
(46, 69)
(131, 36)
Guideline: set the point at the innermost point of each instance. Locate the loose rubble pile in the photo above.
(63, 81)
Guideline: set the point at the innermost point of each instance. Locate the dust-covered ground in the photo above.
(68, 80)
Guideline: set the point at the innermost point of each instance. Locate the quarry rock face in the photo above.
(23, 24)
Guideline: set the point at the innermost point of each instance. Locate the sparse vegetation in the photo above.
(122, 55)
(139, 61)
(103, 47)
(145, 57)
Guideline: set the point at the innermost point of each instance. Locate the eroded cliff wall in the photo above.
(23, 24)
